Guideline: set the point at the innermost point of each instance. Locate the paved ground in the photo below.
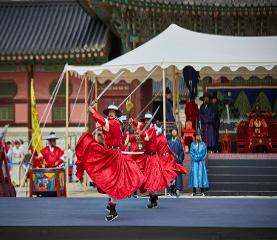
(183, 212)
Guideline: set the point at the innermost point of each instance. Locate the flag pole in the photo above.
(66, 131)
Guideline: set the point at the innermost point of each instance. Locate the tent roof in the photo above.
(181, 47)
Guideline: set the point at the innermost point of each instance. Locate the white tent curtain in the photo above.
(175, 48)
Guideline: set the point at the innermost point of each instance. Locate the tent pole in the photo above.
(178, 104)
(164, 114)
(174, 93)
(164, 103)
(66, 131)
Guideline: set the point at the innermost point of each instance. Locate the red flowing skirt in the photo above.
(155, 175)
(109, 169)
(171, 167)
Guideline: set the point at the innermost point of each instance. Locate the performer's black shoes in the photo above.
(153, 201)
(111, 216)
(152, 205)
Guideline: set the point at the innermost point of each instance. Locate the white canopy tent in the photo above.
(212, 55)
(168, 53)
(173, 49)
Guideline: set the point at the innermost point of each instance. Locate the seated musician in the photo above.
(52, 154)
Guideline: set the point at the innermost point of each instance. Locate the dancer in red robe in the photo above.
(166, 156)
(113, 173)
(52, 154)
(155, 174)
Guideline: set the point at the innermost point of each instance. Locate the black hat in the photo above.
(214, 95)
(205, 95)
(197, 132)
(167, 90)
(114, 108)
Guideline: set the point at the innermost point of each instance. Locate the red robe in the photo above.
(134, 146)
(52, 159)
(155, 175)
(192, 113)
(167, 159)
(110, 170)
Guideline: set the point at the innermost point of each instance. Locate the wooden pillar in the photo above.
(30, 74)
(66, 130)
(86, 104)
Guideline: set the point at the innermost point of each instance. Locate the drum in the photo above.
(47, 182)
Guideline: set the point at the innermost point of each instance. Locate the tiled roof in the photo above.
(228, 3)
(45, 29)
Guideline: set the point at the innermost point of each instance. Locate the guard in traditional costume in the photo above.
(176, 146)
(192, 112)
(155, 174)
(167, 156)
(109, 169)
(169, 104)
(198, 177)
(216, 121)
(52, 154)
(207, 123)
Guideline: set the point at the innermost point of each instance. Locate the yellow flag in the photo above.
(36, 134)
(129, 105)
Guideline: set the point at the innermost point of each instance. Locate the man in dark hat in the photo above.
(198, 177)
(169, 111)
(216, 122)
(176, 146)
(207, 122)
(52, 154)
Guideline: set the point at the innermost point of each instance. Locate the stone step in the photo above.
(242, 178)
(241, 193)
(242, 170)
(243, 186)
(242, 162)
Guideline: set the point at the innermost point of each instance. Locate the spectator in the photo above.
(169, 111)
(17, 157)
(198, 177)
(176, 146)
(207, 123)
(216, 121)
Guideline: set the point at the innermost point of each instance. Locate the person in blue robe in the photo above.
(206, 114)
(176, 146)
(198, 178)
(169, 111)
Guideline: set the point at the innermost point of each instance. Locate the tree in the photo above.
(242, 104)
(263, 101)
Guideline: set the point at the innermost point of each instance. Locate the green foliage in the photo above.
(263, 101)
(242, 104)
